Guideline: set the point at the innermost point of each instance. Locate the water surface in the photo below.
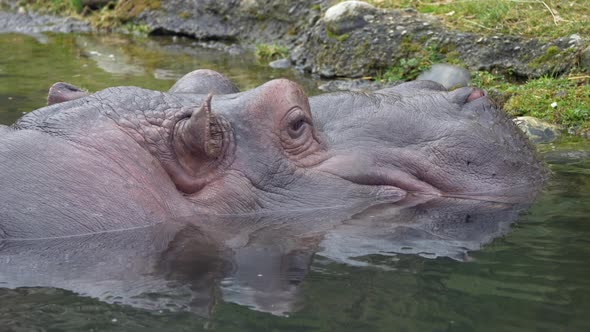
(427, 266)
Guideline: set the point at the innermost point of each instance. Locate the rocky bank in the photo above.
(355, 39)
(345, 39)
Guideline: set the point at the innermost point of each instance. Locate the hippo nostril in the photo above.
(465, 95)
(475, 94)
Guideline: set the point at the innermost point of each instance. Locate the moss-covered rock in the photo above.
(32, 23)
(537, 130)
(585, 59)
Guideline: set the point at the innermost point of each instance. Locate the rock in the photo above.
(280, 64)
(585, 58)
(347, 16)
(575, 39)
(396, 35)
(537, 130)
(447, 75)
(326, 72)
(354, 85)
(258, 21)
(566, 156)
(33, 24)
(235, 50)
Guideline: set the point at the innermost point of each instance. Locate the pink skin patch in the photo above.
(475, 94)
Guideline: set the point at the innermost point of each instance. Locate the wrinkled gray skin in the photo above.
(127, 157)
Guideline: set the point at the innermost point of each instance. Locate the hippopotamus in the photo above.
(127, 157)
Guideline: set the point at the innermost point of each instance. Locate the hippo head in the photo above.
(422, 138)
(267, 148)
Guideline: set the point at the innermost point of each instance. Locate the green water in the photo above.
(534, 278)
(28, 68)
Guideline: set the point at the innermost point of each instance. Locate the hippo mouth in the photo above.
(393, 178)
(410, 184)
(352, 168)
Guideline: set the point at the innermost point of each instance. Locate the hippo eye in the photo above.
(297, 123)
(297, 134)
(297, 128)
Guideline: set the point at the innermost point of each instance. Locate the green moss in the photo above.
(184, 15)
(138, 29)
(551, 59)
(453, 58)
(292, 31)
(550, 54)
(552, 51)
(316, 7)
(361, 49)
(329, 55)
(113, 15)
(486, 79)
(406, 69)
(338, 37)
(571, 96)
(76, 5)
(110, 17)
(128, 9)
(409, 46)
(63, 7)
(270, 52)
(414, 59)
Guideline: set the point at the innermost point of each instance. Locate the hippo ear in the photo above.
(203, 132)
(199, 144)
(60, 92)
(204, 81)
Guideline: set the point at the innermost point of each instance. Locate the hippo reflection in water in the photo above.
(129, 166)
(258, 260)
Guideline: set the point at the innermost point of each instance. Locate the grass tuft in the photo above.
(270, 52)
(564, 100)
(110, 16)
(416, 60)
(531, 18)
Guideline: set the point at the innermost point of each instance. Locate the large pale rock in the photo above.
(537, 130)
(447, 75)
(347, 16)
(280, 64)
